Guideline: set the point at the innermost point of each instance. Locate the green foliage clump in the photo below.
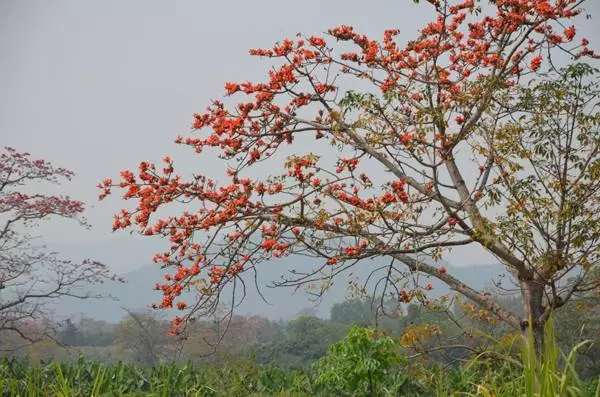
(364, 364)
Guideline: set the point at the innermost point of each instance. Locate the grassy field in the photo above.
(360, 365)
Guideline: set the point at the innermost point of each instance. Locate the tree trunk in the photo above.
(533, 310)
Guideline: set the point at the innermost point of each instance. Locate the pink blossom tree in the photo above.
(30, 277)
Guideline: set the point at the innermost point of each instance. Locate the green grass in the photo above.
(544, 377)
(84, 378)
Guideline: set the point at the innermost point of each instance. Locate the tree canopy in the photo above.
(476, 132)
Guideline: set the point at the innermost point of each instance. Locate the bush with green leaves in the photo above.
(364, 363)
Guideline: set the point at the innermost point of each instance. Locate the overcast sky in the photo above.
(97, 86)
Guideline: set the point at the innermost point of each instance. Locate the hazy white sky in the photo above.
(97, 86)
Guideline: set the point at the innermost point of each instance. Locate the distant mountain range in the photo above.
(284, 303)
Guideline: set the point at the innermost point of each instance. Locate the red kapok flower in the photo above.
(406, 138)
(269, 244)
(232, 88)
(570, 32)
(536, 63)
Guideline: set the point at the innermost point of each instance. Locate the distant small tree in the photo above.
(142, 337)
(69, 334)
(307, 312)
(30, 277)
(353, 312)
(235, 335)
(304, 340)
(86, 332)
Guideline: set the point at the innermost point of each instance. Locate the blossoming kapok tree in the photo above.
(471, 134)
(31, 278)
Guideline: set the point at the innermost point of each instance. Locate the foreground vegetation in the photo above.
(432, 351)
(364, 363)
